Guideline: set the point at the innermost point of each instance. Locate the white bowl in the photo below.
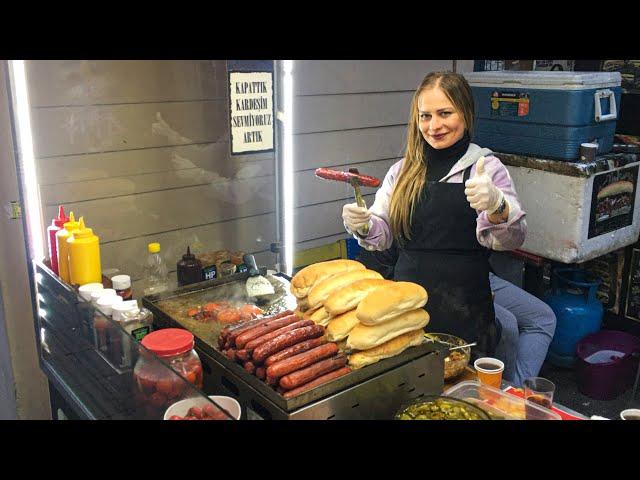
(182, 407)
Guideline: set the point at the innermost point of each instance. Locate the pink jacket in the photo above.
(504, 236)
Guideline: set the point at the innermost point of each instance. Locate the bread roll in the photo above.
(298, 313)
(321, 290)
(340, 326)
(303, 304)
(388, 349)
(615, 188)
(363, 337)
(348, 298)
(306, 278)
(390, 301)
(319, 316)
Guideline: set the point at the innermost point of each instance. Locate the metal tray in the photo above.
(208, 342)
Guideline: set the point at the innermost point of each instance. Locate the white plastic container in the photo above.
(564, 211)
(498, 404)
(88, 289)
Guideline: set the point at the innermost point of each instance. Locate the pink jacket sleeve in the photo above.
(504, 236)
(510, 234)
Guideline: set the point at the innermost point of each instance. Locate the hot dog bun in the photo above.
(321, 290)
(389, 301)
(340, 326)
(306, 278)
(622, 186)
(364, 337)
(303, 304)
(319, 316)
(348, 298)
(388, 349)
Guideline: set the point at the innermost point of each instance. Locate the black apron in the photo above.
(444, 256)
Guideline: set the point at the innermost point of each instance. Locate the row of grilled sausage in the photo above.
(288, 353)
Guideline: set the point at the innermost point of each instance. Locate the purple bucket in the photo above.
(606, 363)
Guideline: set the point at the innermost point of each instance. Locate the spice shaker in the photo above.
(122, 286)
(189, 269)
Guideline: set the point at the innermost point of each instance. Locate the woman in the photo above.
(447, 202)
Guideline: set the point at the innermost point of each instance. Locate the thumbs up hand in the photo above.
(481, 193)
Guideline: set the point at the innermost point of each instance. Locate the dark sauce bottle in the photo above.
(189, 269)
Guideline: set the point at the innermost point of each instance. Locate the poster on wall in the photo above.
(612, 201)
(251, 111)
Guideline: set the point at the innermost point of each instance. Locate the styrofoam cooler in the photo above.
(545, 114)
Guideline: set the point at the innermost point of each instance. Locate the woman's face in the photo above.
(439, 122)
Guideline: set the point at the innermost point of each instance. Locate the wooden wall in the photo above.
(140, 149)
(347, 114)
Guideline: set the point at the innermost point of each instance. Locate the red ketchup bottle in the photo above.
(56, 224)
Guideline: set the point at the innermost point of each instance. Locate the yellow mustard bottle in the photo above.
(63, 249)
(84, 256)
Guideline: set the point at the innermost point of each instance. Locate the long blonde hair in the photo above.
(412, 176)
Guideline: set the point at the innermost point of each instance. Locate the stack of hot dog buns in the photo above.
(389, 320)
(286, 352)
(303, 281)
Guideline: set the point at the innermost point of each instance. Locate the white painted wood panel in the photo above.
(315, 150)
(321, 220)
(99, 82)
(150, 213)
(312, 190)
(343, 112)
(253, 234)
(74, 130)
(91, 166)
(321, 77)
(318, 242)
(74, 192)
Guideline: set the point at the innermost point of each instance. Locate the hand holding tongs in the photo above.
(355, 179)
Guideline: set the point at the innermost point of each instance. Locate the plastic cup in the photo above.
(630, 414)
(489, 371)
(539, 390)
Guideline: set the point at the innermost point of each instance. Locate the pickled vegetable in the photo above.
(440, 409)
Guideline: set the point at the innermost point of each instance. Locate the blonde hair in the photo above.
(412, 176)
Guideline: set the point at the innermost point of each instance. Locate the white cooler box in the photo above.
(574, 212)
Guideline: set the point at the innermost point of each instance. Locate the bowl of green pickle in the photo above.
(440, 408)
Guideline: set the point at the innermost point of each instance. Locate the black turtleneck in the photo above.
(440, 161)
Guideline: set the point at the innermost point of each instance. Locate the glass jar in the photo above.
(157, 387)
(226, 269)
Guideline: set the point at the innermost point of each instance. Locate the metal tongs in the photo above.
(359, 198)
(354, 178)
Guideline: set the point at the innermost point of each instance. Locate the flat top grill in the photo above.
(169, 309)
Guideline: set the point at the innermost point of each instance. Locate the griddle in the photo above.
(169, 310)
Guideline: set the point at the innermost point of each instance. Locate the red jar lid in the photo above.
(168, 342)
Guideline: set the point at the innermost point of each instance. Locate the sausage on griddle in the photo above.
(300, 377)
(248, 335)
(294, 350)
(321, 380)
(264, 338)
(286, 339)
(302, 360)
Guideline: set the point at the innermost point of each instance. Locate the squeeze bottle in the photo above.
(57, 224)
(63, 248)
(84, 256)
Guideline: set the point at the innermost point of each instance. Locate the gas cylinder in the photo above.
(578, 312)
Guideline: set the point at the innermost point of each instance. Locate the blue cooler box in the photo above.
(545, 114)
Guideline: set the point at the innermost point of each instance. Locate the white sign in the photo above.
(251, 111)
